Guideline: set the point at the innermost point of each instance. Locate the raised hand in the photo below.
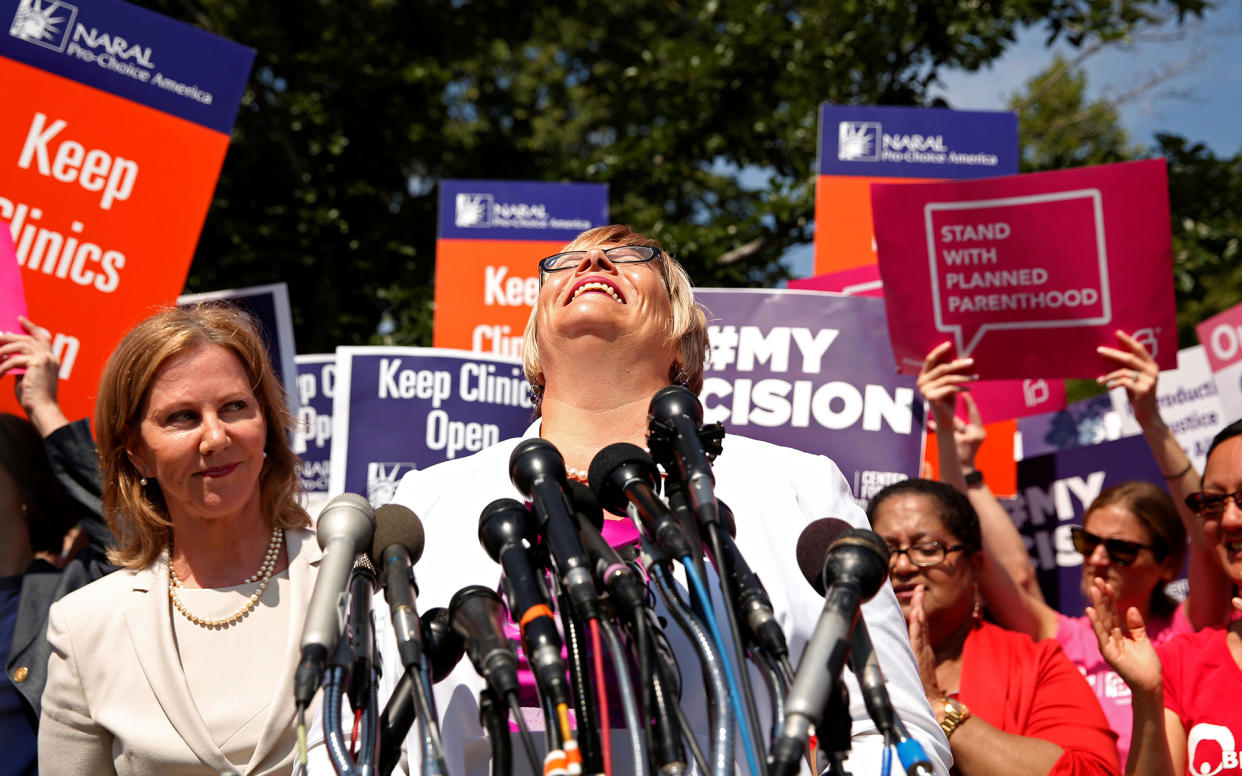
(1133, 657)
(943, 378)
(31, 350)
(1136, 372)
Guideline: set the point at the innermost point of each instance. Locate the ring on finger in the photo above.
(1136, 375)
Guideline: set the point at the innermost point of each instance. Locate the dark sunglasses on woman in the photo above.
(1120, 551)
(1212, 505)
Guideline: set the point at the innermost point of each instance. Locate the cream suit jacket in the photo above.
(117, 700)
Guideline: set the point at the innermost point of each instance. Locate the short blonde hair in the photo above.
(137, 514)
(687, 328)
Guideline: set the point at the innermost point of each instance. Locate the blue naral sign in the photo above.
(892, 142)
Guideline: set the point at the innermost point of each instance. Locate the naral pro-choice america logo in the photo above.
(858, 141)
(472, 210)
(45, 24)
(866, 141)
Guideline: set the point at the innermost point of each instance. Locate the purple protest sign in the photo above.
(520, 210)
(898, 142)
(398, 409)
(1086, 422)
(813, 371)
(316, 386)
(131, 52)
(1054, 491)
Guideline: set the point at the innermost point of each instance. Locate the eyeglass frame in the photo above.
(894, 552)
(1111, 546)
(1224, 502)
(655, 252)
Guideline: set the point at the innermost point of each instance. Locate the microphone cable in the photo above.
(735, 693)
(629, 704)
(722, 739)
(605, 724)
(750, 722)
(776, 692)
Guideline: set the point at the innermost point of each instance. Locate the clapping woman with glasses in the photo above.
(1187, 719)
(1006, 704)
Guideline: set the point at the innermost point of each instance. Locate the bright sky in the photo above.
(1201, 102)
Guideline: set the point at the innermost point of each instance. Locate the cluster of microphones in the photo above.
(572, 594)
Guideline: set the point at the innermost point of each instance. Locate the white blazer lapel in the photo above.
(304, 557)
(149, 621)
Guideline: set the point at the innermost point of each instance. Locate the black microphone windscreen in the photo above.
(813, 546)
(607, 461)
(443, 645)
(586, 504)
(395, 524)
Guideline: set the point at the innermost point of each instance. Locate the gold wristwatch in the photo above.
(955, 713)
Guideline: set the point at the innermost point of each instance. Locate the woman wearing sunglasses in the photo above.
(1186, 715)
(1133, 535)
(1006, 704)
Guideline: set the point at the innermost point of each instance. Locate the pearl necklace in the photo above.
(262, 576)
(577, 474)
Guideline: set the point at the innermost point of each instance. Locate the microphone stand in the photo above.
(353, 672)
(494, 717)
(833, 731)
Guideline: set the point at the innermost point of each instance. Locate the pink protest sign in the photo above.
(1029, 273)
(1007, 399)
(857, 281)
(1221, 336)
(12, 297)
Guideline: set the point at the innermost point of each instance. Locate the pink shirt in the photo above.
(1078, 641)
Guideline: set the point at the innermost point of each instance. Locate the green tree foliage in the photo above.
(1059, 127)
(355, 111)
(1205, 195)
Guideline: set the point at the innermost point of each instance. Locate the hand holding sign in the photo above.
(30, 358)
(1136, 372)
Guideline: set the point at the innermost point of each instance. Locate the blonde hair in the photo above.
(138, 515)
(687, 328)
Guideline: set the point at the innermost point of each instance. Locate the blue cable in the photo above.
(886, 763)
(700, 590)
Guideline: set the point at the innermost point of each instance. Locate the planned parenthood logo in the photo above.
(859, 141)
(44, 23)
(473, 210)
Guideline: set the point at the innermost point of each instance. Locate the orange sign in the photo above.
(485, 290)
(105, 199)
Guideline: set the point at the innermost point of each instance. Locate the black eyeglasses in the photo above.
(1212, 505)
(622, 254)
(1120, 551)
(923, 554)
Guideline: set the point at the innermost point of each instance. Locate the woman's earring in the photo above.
(534, 392)
(142, 481)
(681, 378)
(976, 611)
